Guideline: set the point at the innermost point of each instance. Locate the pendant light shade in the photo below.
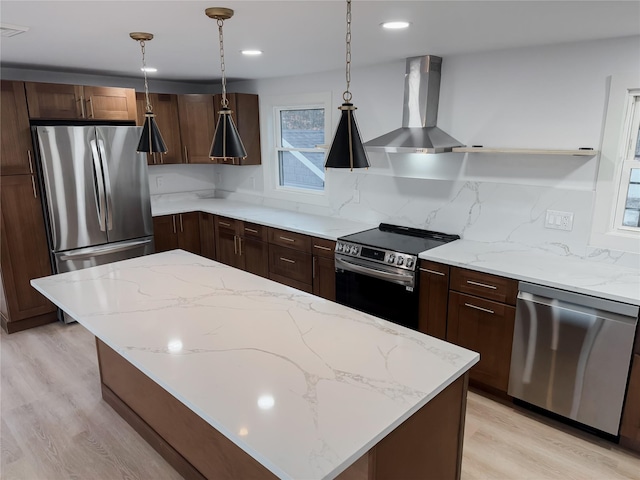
(347, 150)
(151, 140)
(226, 140)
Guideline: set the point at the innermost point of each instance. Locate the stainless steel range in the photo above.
(376, 270)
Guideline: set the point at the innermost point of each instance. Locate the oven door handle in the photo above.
(407, 280)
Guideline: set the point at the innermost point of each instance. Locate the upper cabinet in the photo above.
(246, 116)
(165, 107)
(196, 126)
(77, 102)
(16, 154)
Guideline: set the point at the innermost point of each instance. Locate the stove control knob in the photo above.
(338, 247)
(400, 260)
(409, 262)
(355, 250)
(392, 258)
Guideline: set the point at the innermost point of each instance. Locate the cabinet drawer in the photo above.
(229, 224)
(484, 285)
(323, 247)
(290, 240)
(253, 230)
(290, 263)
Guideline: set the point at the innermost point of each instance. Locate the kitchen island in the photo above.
(230, 375)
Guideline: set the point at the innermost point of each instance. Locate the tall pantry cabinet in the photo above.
(23, 243)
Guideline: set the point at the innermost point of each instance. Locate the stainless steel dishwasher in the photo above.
(571, 354)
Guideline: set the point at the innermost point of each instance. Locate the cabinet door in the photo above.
(165, 107)
(56, 101)
(207, 236)
(110, 103)
(165, 233)
(189, 232)
(434, 295)
(196, 126)
(256, 256)
(324, 277)
(16, 154)
(291, 267)
(486, 327)
(25, 253)
(630, 427)
(227, 249)
(245, 114)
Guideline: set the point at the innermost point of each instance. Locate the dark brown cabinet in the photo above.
(207, 235)
(434, 295)
(246, 115)
(165, 107)
(16, 154)
(181, 230)
(197, 126)
(630, 426)
(290, 259)
(77, 102)
(242, 245)
(24, 255)
(481, 316)
(324, 270)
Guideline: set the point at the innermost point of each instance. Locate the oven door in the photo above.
(386, 294)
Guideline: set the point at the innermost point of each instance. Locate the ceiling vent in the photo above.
(9, 30)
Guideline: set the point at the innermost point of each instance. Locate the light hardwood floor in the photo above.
(54, 425)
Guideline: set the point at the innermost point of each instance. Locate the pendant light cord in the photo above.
(347, 94)
(146, 83)
(225, 102)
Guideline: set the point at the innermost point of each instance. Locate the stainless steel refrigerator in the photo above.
(96, 194)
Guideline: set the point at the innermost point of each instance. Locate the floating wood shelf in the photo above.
(526, 151)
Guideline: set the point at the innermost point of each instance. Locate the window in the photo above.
(300, 162)
(628, 200)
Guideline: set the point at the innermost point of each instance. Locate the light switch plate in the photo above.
(159, 182)
(559, 220)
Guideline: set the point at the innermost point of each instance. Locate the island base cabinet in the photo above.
(428, 445)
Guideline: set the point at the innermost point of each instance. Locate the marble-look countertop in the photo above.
(304, 385)
(329, 228)
(575, 274)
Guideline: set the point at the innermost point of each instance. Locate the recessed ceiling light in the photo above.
(396, 25)
(149, 69)
(251, 52)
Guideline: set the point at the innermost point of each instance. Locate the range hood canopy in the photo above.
(418, 133)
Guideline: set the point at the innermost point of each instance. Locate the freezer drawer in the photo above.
(90, 257)
(571, 354)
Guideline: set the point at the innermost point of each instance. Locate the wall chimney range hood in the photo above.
(418, 133)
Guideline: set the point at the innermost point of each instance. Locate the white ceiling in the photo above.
(297, 37)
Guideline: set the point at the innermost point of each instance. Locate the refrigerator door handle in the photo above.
(104, 250)
(99, 185)
(107, 183)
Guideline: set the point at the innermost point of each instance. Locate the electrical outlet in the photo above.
(559, 220)
(159, 182)
(356, 196)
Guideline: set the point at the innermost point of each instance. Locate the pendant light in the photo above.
(151, 139)
(226, 139)
(347, 150)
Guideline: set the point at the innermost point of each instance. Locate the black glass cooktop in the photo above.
(400, 239)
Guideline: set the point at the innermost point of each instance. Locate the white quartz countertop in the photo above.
(304, 385)
(315, 225)
(598, 279)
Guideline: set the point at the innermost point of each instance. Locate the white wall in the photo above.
(165, 179)
(551, 97)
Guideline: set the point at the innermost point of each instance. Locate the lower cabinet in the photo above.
(323, 268)
(434, 294)
(242, 245)
(207, 236)
(24, 255)
(290, 259)
(630, 427)
(181, 230)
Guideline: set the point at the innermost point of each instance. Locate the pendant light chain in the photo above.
(225, 102)
(347, 94)
(146, 83)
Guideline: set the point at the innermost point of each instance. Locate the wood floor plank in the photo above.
(55, 425)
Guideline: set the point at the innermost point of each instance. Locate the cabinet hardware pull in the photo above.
(235, 244)
(181, 229)
(479, 308)
(173, 217)
(186, 155)
(287, 239)
(224, 224)
(478, 284)
(83, 114)
(240, 246)
(30, 163)
(313, 268)
(288, 260)
(323, 248)
(91, 105)
(252, 230)
(33, 184)
(431, 271)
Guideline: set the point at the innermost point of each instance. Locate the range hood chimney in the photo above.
(419, 133)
